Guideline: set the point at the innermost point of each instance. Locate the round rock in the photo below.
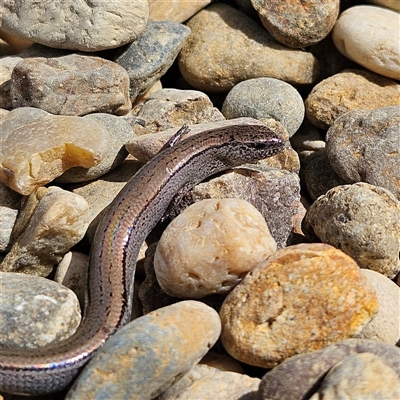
(370, 36)
(266, 98)
(210, 247)
(297, 23)
(75, 24)
(364, 146)
(362, 220)
(299, 300)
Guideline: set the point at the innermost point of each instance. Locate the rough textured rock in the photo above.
(35, 312)
(364, 146)
(266, 98)
(236, 49)
(59, 221)
(370, 36)
(362, 220)
(7, 65)
(151, 55)
(348, 90)
(36, 147)
(300, 376)
(360, 376)
(9, 206)
(300, 299)
(146, 356)
(210, 247)
(175, 10)
(74, 84)
(76, 25)
(297, 23)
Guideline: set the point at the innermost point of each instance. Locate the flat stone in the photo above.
(7, 65)
(300, 376)
(58, 222)
(9, 206)
(36, 146)
(35, 312)
(146, 356)
(210, 247)
(300, 299)
(76, 26)
(151, 55)
(363, 221)
(71, 85)
(364, 146)
(175, 10)
(227, 47)
(370, 36)
(297, 24)
(266, 98)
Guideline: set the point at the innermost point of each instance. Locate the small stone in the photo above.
(7, 65)
(362, 220)
(300, 376)
(370, 36)
(300, 299)
(76, 25)
(36, 147)
(35, 311)
(5, 50)
(150, 56)
(360, 376)
(392, 4)
(210, 247)
(16, 43)
(348, 90)
(207, 383)
(9, 206)
(146, 356)
(3, 113)
(223, 362)
(58, 222)
(364, 146)
(176, 11)
(71, 85)
(385, 326)
(227, 47)
(120, 133)
(297, 23)
(266, 98)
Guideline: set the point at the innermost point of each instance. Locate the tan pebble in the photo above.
(177, 10)
(299, 300)
(210, 247)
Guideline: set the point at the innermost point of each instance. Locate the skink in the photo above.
(129, 219)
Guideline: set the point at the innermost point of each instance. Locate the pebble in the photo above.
(146, 356)
(300, 376)
(7, 65)
(277, 310)
(266, 98)
(297, 24)
(392, 4)
(9, 206)
(348, 90)
(370, 36)
(237, 48)
(35, 311)
(363, 146)
(176, 11)
(78, 26)
(368, 378)
(57, 223)
(73, 84)
(210, 247)
(363, 221)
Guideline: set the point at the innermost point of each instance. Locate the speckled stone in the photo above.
(210, 247)
(297, 23)
(150, 56)
(37, 146)
(370, 36)
(146, 356)
(58, 222)
(300, 376)
(227, 47)
(74, 84)
(35, 311)
(348, 90)
(362, 220)
(77, 26)
(9, 205)
(300, 299)
(7, 65)
(175, 10)
(266, 98)
(364, 146)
